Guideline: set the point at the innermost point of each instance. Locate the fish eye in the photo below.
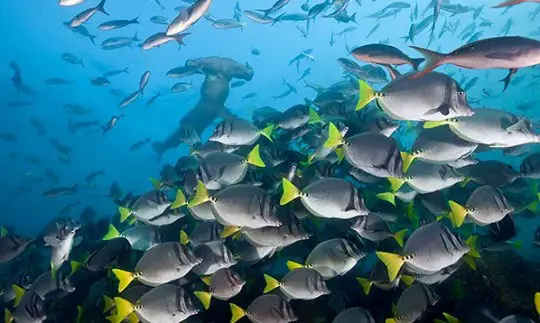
(461, 93)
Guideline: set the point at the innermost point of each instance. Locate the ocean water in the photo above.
(34, 36)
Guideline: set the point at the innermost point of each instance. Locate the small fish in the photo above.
(72, 59)
(160, 20)
(58, 191)
(137, 145)
(159, 39)
(187, 17)
(117, 24)
(84, 16)
(100, 81)
(116, 72)
(181, 87)
(228, 24)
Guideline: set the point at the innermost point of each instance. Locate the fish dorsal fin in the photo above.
(520, 126)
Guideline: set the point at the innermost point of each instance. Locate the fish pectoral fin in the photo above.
(504, 56)
(520, 126)
(443, 109)
(51, 241)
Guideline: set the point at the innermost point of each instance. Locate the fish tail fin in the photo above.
(237, 312)
(184, 238)
(8, 316)
(415, 62)
(3, 231)
(391, 320)
(400, 236)
(508, 3)
(201, 195)
(433, 60)
(156, 183)
(393, 263)
(335, 138)
(80, 312)
(124, 213)
(267, 132)
(458, 212)
(396, 183)
(314, 117)
(254, 157)
(407, 160)
(75, 267)
(228, 231)
(123, 307)
(389, 197)
(366, 94)
(434, 124)
(365, 284)
(179, 201)
(125, 278)
(291, 265)
(450, 318)
(407, 280)
(340, 153)
(135, 20)
(19, 293)
(133, 318)
(469, 261)
(471, 243)
(108, 304)
(290, 192)
(112, 233)
(204, 297)
(271, 283)
(101, 7)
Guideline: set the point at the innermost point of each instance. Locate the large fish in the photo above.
(188, 16)
(429, 249)
(499, 52)
(434, 97)
(486, 205)
(384, 55)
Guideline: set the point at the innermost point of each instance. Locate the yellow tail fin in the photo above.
(229, 231)
(294, 265)
(179, 201)
(3, 232)
(237, 313)
(124, 213)
(207, 280)
(19, 293)
(396, 183)
(108, 304)
(434, 124)
(156, 183)
(365, 283)
(267, 132)
(407, 160)
(205, 298)
(271, 283)
(392, 262)
(112, 233)
(8, 317)
(75, 266)
(335, 138)
(340, 153)
(133, 318)
(365, 94)
(184, 238)
(80, 312)
(123, 307)
(201, 195)
(290, 192)
(471, 242)
(392, 320)
(458, 212)
(400, 236)
(449, 318)
(125, 278)
(407, 280)
(388, 197)
(314, 117)
(469, 261)
(254, 157)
